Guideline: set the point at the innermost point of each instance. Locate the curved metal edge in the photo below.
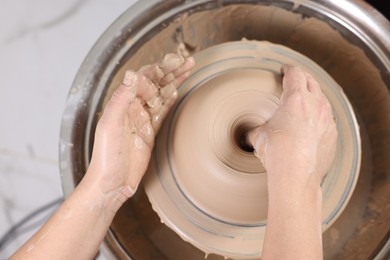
(384, 253)
(373, 29)
(111, 245)
(365, 22)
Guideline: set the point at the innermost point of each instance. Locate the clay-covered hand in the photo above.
(126, 131)
(299, 141)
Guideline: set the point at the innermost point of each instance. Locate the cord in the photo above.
(12, 233)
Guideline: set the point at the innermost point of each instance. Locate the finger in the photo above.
(146, 90)
(140, 123)
(326, 114)
(294, 80)
(154, 105)
(121, 99)
(181, 79)
(153, 72)
(187, 66)
(168, 94)
(170, 62)
(167, 91)
(184, 69)
(159, 117)
(312, 85)
(171, 88)
(131, 80)
(257, 137)
(139, 115)
(167, 79)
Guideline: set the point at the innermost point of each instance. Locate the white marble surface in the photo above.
(42, 44)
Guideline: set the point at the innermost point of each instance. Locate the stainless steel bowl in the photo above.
(349, 39)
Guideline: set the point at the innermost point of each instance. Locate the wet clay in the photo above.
(216, 198)
(209, 125)
(346, 63)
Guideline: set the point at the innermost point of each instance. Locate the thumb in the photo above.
(257, 137)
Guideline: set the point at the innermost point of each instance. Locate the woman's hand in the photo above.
(126, 131)
(296, 147)
(124, 140)
(299, 141)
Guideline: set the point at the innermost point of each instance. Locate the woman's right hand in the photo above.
(299, 142)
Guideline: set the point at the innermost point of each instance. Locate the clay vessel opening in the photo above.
(241, 138)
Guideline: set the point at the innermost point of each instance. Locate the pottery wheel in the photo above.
(203, 182)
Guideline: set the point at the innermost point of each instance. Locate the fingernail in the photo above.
(170, 62)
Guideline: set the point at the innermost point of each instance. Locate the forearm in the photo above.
(77, 228)
(294, 220)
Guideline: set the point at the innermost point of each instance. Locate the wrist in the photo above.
(298, 177)
(292, 188)
(105, 202)
(295, 215)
